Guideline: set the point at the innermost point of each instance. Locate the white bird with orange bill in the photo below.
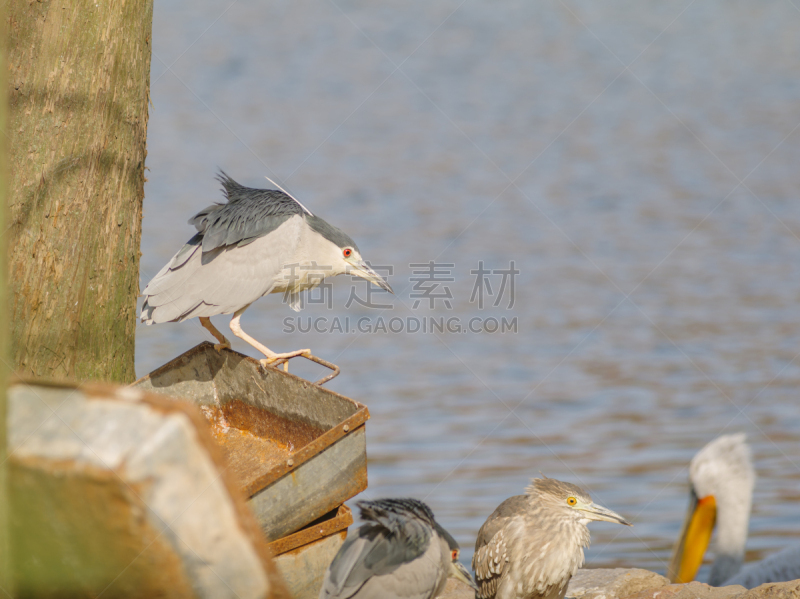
(721, 481)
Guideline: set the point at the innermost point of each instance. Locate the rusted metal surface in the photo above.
(302, 455)
(330, 523)
(249, 452)
(270, 426)
(303, 569)
(315, 488)
(297, 450)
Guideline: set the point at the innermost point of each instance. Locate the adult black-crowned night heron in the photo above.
(721, 481)
(532, 544)
(261, 241)
(400, 552)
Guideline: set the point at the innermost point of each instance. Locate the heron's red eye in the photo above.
(571, 501)
(454, 554)
(347, 252)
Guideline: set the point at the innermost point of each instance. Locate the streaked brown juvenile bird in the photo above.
(532, 544)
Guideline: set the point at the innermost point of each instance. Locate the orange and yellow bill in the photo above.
(687, 555)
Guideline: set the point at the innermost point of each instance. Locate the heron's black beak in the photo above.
(362, 269)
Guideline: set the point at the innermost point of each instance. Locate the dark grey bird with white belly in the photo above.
(532, 544)
(400, 552)
(261, 241)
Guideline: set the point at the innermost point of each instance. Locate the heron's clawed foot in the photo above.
(224, 345)
(275, 360)
(278, 359)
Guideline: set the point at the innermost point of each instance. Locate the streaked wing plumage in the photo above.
(491, 547)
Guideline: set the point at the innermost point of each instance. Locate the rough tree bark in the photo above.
(79, 83)
(5, 566)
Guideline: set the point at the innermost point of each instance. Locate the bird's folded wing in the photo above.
(248, 214)
(338, 573)
(217, 282)
(489, 562)
(371, 552)
(409, 520)
(492, 545)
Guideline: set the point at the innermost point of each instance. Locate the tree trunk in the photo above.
(5, 553)
(79, 83)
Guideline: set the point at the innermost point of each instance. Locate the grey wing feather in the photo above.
(217, 282)
(343, 563)
(384, 552)
(185, 252)
(370, 553)
(410, 519)
(355, 573)
(248, 214)
(778, 567)
(396, 533)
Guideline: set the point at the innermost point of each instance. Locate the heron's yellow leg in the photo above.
(271, 356)
(223, 343)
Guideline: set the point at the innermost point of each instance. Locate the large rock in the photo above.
(775, 590)
(698, 590)
(587, 584)
(690, 590)
(603, 583)
(120, 493)
(633, 583)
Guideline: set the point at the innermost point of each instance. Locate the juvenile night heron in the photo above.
(261, 241)
(721, 481)
(532, 544)
(400, 552)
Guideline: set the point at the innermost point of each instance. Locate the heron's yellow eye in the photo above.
(571, 501)
(347, 252)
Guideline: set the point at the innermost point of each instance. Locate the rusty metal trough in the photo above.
(303, 557)
(298, 450)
